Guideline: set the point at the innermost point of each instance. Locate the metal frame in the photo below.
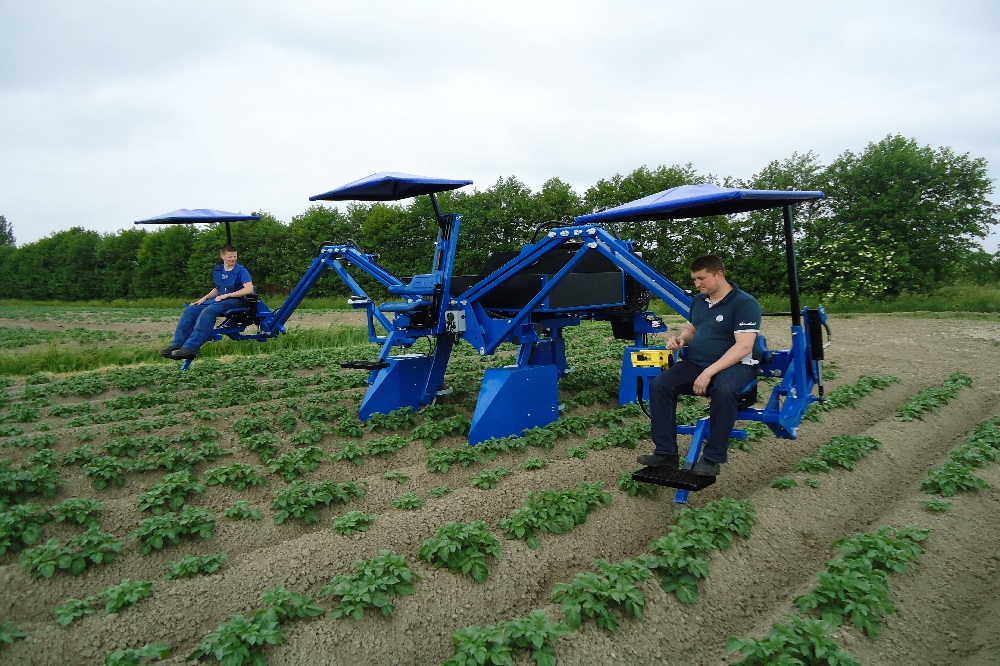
(524, 394)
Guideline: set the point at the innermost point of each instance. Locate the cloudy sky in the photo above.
(114, 110)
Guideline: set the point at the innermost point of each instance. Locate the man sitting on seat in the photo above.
(232, 282)
(720, 335)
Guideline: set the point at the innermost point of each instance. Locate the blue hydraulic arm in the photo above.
(330, 258)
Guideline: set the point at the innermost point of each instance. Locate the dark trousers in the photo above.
(724, 391)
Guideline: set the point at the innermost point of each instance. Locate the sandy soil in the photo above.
(947, 610)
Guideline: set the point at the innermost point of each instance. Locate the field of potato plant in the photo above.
(239, 513)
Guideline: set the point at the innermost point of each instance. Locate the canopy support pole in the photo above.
(793, 276)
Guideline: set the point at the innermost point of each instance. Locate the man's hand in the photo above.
(675, 342)
(702, 382)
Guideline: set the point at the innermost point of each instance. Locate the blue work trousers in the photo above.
(724, 391)
(197, 321)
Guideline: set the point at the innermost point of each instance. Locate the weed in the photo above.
(937, 505)
(634, 488)
(192, 565)
(395, 475)
(408, 501)
(489, 478)
(534, 463)
(137, 656)
(242, 511)
(353, 521)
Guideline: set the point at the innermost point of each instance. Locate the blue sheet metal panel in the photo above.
(400, 385)
(698, 201)
(197, 215)
(389, 186)
(513, 399)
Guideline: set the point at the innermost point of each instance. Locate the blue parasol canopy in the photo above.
(195, 215)
(389, 186)
(698, 201)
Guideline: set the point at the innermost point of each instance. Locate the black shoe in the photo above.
(706, 468)
(167, 353)
(659, 460)
(183, 353)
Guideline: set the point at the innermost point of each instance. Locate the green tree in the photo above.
(306, 234)
(72, 269)
(6, 232)
(499, 218)
(902, 217)
(8, 270)
(668, 246)
(162, 265)
(557, 202)
(755, 256)
(116, 259)
(404, 242)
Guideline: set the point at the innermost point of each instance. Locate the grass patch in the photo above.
(57, 359)
(972, 300)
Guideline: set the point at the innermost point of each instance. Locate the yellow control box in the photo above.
(652, 358)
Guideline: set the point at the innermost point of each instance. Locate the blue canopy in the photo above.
(698, 201)
(389, 186)
(195, 215)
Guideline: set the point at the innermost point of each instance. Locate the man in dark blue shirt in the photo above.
(232, 282)
(720, 337)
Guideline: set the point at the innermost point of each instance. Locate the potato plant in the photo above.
(371, 586)
(555, 511)
(73, 556)
(462, 547)
(161, 531)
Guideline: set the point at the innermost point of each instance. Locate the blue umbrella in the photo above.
(698, 201)
(196, 215)
(389, 186)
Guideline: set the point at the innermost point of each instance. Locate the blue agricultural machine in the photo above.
(575, 273)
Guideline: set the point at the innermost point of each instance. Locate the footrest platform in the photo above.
(684, 479)
(364, 365)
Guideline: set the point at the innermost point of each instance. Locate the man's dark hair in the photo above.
(227, 248)
(707, 262)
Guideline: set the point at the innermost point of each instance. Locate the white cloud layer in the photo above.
(112, 111)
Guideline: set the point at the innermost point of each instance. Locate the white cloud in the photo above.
(112, 111)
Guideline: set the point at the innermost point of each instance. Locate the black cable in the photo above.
(638, 396)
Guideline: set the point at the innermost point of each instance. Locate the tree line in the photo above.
(897, 217)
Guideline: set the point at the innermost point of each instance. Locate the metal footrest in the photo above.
(684, 479)
(364, 365)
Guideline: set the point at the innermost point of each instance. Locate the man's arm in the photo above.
(207, 297)
(682, 338)
(743, 346)
(247, 289)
